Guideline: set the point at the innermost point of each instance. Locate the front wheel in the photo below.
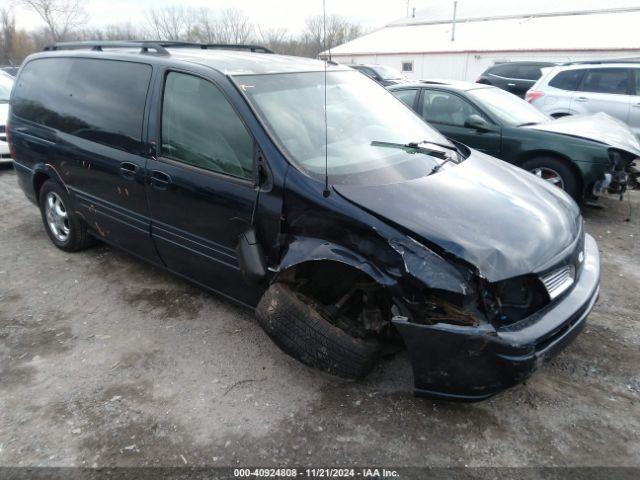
(303, 330)
(556, 172)
(65, 229)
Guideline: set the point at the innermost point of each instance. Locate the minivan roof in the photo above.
(229, 62)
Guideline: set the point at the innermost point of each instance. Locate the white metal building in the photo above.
(431, 44)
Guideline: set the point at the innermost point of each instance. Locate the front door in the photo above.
(604, 90)
(448, 112)
(200, 186)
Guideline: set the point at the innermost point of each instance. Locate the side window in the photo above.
(529, 72)
(567, 80)
(98, 100)
(637, 72)
(445, 107)
(408, 97)
(606, 80)
(504, 70)
(200, 128)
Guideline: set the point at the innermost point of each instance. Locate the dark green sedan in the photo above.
(584, 155)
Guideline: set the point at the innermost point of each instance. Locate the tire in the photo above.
(67, 232)
(300, 330)
(570, 181)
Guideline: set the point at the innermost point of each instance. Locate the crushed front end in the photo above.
(470, 352)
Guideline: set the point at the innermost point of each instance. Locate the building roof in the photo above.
(441, 11)
(537, 33)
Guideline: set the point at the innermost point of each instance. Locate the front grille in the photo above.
(559, 280)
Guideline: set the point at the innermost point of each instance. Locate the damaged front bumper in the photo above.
(473, 363)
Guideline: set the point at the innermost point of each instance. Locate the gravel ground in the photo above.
(107, 361)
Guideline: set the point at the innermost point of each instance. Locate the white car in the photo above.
(6, 83)
(585, 88)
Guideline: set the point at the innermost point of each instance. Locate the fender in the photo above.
(309, 249)
(50, 171)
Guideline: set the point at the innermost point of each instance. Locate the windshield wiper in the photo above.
(437, 168)
(413, 147)
(527, 124)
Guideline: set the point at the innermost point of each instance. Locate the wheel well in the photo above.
(38, 180)
(549, 154)
(346, 293)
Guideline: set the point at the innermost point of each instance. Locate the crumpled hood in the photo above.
(493, 215)
(599, 127)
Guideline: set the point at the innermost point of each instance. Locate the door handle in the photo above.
(160, 180)
(128, 170)
(582, 99)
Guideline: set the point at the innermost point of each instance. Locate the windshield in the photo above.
(508, 108)
(6, 82)
(387, 73)
(361, 118)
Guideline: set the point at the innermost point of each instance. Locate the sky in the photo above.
(370, 14)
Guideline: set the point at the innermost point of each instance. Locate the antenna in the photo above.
(326, 191)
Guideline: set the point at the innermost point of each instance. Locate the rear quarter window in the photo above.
(98, 100)
(567, 80)
(504, 70)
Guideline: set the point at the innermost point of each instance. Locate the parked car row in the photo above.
(6, 83)
(585, 156)
(313, 195)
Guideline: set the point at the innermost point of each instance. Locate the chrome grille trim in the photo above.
(559, 280)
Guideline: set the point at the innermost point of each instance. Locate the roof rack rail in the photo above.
(160, 47)
(601, 61)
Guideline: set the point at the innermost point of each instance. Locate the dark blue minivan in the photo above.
(311, 194)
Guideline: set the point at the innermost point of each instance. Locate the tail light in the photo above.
(533, 95)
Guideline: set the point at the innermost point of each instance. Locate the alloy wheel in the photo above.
(549, 175)
(57, 216)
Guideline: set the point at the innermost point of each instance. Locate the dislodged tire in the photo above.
(65, 229)
(556, 172)
(301, 330)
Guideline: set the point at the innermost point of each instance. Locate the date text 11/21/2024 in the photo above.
(315, 473)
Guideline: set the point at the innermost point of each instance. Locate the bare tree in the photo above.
(60, 16)
(171, 23)
(7, 35)
(274, 38)
(206, 28)
(338, 31)
(235, 26)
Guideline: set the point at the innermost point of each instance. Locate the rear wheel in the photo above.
(65, 229)
(556, 172)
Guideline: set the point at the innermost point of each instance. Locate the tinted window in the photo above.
(606, 80)
(567, 80)
(529, 72)
(199, 127)
(444, 107)
(99, 100)
(504, 70)
(407, 97)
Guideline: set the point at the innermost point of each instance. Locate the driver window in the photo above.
(444, 107)
(200, 128)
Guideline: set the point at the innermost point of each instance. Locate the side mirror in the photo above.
(476, 122)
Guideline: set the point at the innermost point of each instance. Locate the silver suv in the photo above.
(613, 88)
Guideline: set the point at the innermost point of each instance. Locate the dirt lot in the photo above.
(105, 360)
